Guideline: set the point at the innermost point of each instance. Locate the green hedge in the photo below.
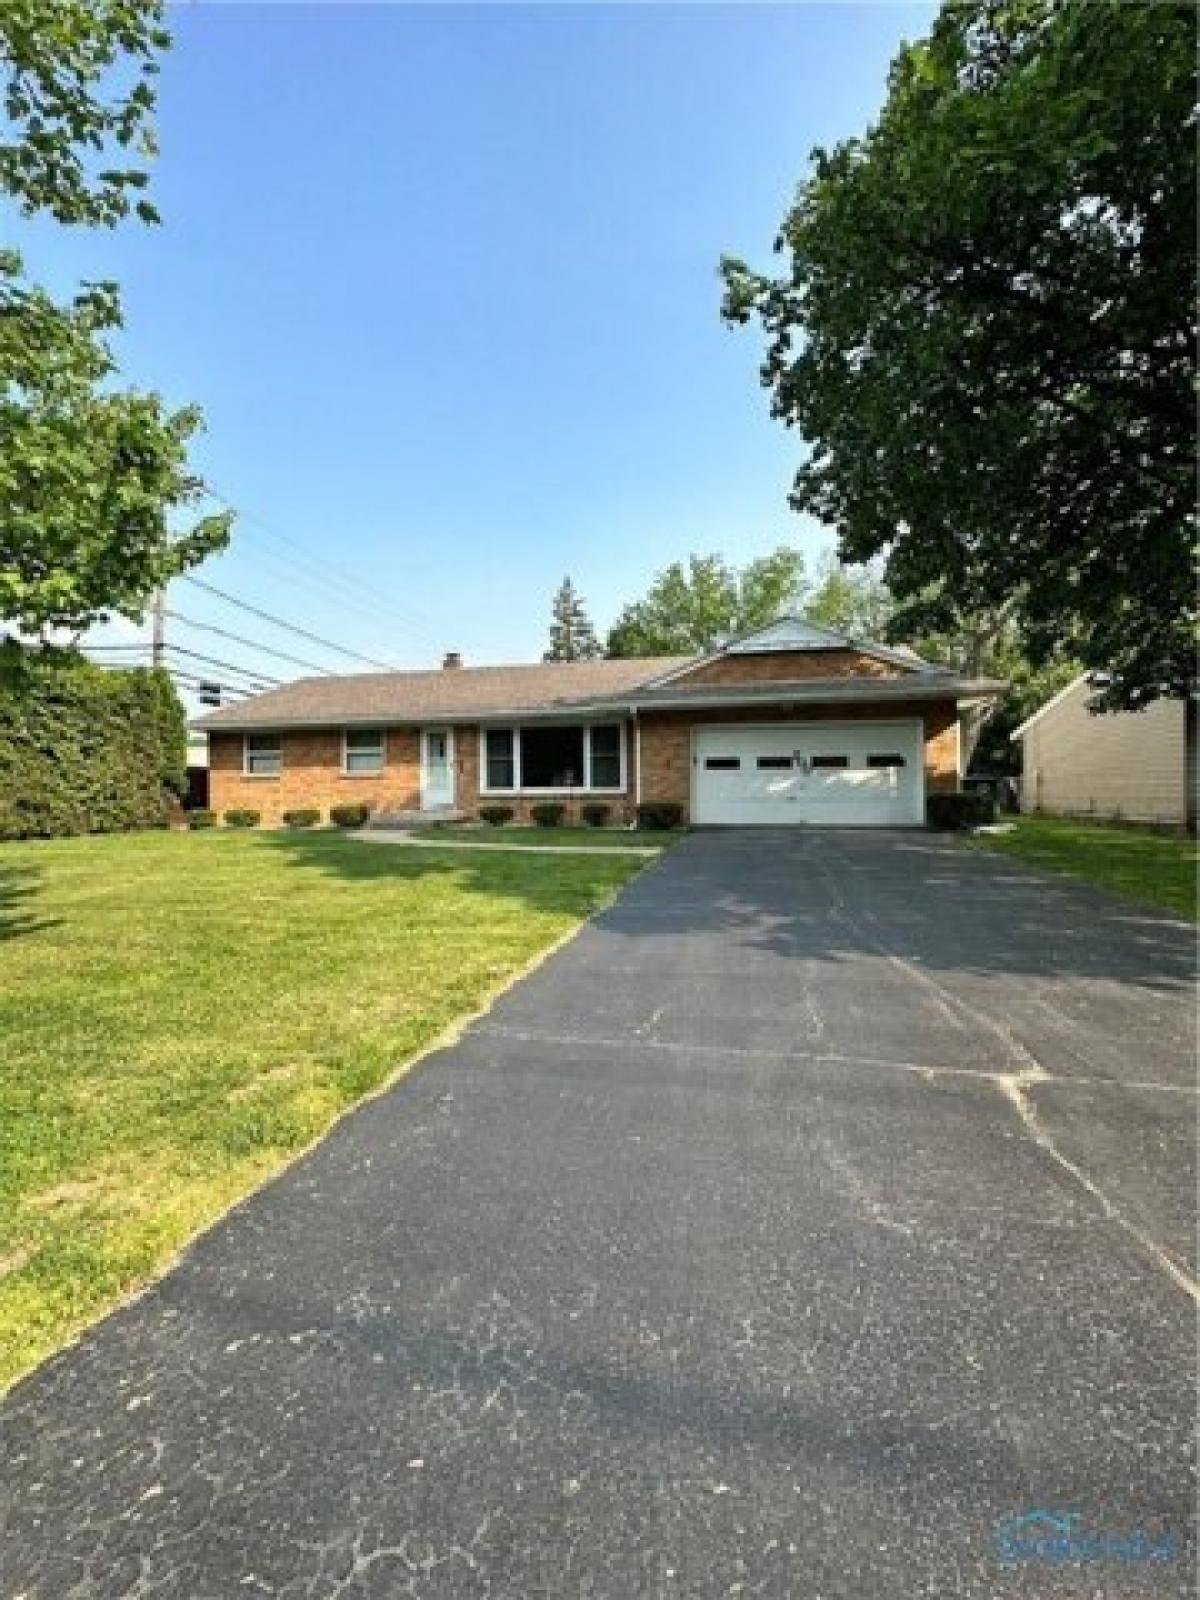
(84, 749)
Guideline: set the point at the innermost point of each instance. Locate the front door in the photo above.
(437, 769)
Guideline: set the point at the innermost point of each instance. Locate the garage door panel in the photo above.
(834, 773)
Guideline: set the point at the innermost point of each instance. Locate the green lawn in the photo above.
(1143, 863)
(182, 1013)
(602, 838)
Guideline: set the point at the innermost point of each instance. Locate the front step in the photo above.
(394, 820)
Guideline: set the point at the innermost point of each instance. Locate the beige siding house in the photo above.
(1130, 765)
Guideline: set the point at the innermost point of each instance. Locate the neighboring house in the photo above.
(794, 723)
(197, 770)
(1122, 764)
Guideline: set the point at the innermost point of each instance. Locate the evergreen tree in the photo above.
(572, 637)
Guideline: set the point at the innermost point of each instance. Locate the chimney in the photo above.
(452, 661)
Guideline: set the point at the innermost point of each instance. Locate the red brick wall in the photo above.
(667, 743)
(312, 775)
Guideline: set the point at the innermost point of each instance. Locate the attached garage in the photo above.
(849, 774)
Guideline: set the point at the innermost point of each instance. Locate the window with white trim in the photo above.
(553, 758)
(262, 755)
(362, 751)
(604, 756)
(500, 760)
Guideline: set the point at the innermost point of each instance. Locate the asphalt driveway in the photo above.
(826, 1203)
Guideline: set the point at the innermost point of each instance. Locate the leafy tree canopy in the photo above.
(572, 636)
(688, 608)
(89, 474)
(985, 332)
(78, 105)
(853, 600)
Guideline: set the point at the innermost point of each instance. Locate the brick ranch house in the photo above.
(794, 723)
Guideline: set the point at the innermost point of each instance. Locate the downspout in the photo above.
(637, 761)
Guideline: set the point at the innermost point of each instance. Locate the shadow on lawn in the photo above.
(566, 883)
(18, 888)
(826, 895)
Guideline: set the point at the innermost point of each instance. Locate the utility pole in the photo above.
(158, 628)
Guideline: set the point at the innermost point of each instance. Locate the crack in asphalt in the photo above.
(1014, 1086)
(922, 1069)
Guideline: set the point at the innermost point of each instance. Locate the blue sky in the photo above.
(444, 280)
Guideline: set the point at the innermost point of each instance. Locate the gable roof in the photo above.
(794, 633)
(1048, 705)
(565, 688)
(438, 693)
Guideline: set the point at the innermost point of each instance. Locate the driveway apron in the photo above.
(822, 1208)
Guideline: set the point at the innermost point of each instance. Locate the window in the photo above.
(553, 757)
(830, 763)
(605, 744)
(263, 756)
(774, 763)
(722, 763)
(362, 750)
(500, 764)
(885, 761)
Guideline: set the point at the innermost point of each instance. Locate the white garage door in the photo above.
(844, 773)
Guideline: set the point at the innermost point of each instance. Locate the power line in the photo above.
(257, 681)
(266, 616)
(264, 680)
(237, 638)
(387, 605)
(190, 679)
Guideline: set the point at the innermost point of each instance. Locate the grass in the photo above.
(183, 1013)
(1143, 863)
(601, 838)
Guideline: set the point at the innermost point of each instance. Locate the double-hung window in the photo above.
(362, 752)
(262, 755)
(604, 749)
(553, 757)
(500, 760)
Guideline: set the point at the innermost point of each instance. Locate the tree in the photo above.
(690, 609)
(985, 333)
(853, 600)
(572, 637)
(65, 64)
(89, 475)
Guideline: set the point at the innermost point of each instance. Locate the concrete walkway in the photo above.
(399, 836)
(826, 1205)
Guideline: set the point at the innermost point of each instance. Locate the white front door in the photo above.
(858, 773)
(437, 769)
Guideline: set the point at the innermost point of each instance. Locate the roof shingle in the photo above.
(399, 697)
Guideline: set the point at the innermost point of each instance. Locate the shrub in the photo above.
(351, 815)
(85, 749)
(201, 818)
(595, 813)
(242, 817)
(548, 814)
(495, 816)
(302, 817)
(948, 812)
(659, 814)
